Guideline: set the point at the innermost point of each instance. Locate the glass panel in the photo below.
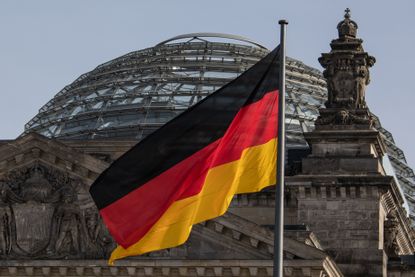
(76, 111)
(98, 105)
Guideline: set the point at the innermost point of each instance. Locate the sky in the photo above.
(45, 45)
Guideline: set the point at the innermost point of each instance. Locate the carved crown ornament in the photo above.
(347, 27)
(346, 69)
(42, 217)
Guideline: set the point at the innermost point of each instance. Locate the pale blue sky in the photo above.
(45, 45)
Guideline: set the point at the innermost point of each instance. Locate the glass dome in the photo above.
(131, 96)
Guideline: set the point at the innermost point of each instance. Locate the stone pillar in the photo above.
(342, 180)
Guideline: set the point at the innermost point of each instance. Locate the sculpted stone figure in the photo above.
(69, 224)
(6, 198)
(4, 233)
(99, 235)
(390, 236)
(4, 221)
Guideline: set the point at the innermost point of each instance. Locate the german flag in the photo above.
(189, 170)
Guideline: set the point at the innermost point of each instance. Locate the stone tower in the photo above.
(343, 193)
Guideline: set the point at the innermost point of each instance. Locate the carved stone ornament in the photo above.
(347, 74)
(343, 118)
(346, 68)
(391, 230)
(347, 27)
(41, 218)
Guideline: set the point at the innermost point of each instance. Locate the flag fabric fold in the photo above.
(189, 170)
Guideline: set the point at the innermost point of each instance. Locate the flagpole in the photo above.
(279, 189)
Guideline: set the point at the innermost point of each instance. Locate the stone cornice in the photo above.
(112, 148)
(159, 267)
(265, 198)
(326, 186)
(347, 135)
(36, 148)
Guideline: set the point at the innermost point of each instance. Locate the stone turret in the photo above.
(343, 193)
(344, 139)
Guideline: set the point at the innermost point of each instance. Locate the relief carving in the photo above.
(5, 219)
(391, 230)
(343, 87)
(68, 225)
(347, 77)
(37, 188)
(34, 211)
(99, 234)
(41, 218)
(343, 117)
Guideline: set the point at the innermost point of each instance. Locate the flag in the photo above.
(188, 171)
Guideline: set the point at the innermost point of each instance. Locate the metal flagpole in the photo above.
(279, 189)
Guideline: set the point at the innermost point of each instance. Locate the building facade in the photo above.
(349, 194)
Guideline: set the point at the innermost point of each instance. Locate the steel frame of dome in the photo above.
(134, 94)
(131, 96)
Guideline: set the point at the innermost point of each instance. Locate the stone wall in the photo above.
(346, 221)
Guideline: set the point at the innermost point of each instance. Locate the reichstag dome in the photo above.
(131, 96)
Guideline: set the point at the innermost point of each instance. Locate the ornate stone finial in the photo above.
(347, 28)
(347, 74)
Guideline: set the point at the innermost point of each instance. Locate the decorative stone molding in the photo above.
(264, 198)
(105, 150)
(34, 147)
(306, 268)
(343, 118)
(342, 187)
